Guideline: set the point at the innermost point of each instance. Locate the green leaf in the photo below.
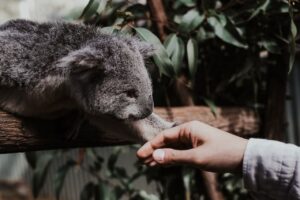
(175, 49)
(263, 5)
(192, 58)
(60, 175)
(118, 191)
(87, 193)
(40, 172)
(120, 172)
(203, 34)
(113, 159)
(188, 3)
(102, 6)
(292, 39)
(161, 57)
(144, 195)
(31, 158)
(97, 160)
(108, 30)
(191, 20)
(103, 192)
(226, 31)
(93, 7)
(187, 176)
(211, 105)
(90, 9)
(271, 46)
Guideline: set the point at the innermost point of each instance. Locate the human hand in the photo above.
(204, 146)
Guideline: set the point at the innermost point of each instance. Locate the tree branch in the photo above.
(19, 134)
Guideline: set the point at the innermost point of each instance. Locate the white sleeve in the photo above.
(272, 169)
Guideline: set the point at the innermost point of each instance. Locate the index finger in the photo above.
(166, 137)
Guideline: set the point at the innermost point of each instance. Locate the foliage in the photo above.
(223, 47)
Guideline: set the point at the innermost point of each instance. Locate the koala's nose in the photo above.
(148, 107)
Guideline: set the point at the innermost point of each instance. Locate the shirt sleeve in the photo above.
(272, 169)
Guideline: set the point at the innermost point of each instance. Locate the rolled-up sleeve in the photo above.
(272, 169)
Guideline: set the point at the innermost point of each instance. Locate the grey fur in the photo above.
(49, 69)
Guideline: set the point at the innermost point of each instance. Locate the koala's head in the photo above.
(108, 77)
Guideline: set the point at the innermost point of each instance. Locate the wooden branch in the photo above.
(22, 134)
(277, 83)
(239, 121)
(159, 15)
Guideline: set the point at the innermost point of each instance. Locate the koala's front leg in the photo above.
(71, 124)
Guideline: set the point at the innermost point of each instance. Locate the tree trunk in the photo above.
(274, 123)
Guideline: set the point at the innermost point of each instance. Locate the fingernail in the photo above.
(159, 155)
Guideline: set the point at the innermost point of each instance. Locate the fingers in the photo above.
(163, 139)
(171, 156)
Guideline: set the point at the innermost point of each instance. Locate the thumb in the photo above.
(172, 156)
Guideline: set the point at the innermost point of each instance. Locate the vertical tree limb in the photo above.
(275, 112)
(158, 13)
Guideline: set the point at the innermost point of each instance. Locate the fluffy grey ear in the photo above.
(84, 65)
(81, 61)
(147, 50)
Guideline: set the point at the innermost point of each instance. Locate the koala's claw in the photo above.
(73, 132)
(73, 124)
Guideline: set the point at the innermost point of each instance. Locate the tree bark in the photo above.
(239, 121)
(159, 16)
(274, 123)
(19, 134)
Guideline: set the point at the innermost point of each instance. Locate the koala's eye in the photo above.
(132, 93)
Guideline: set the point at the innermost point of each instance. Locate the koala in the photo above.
(48, 70)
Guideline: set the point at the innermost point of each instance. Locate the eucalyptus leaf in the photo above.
(175, 49)
(161, 57)
(60, 175)
(226, 32)
(211, 105)
(292, 40)
(87, 192)
(143, 194)
(102, 6)
(203, 34)
(113, 159)
(97, 160)
(187, 176)
(188, 3)
(192, 57)
(108, 30)
(271, 46)
(191, 20)
(90, 9)
(31, 158)
(103, 192)
(40, 172)
(263, 5)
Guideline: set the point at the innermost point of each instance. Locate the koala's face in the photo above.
(110, 78)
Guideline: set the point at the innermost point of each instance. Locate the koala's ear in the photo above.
(80, 61)
(147, 50)
(84, 65)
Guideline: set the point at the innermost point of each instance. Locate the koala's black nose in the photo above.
(146, 105)
(148, 109)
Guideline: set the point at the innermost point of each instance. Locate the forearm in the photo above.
(272, 168)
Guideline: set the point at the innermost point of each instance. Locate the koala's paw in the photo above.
(73, 132)
(72, 125)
